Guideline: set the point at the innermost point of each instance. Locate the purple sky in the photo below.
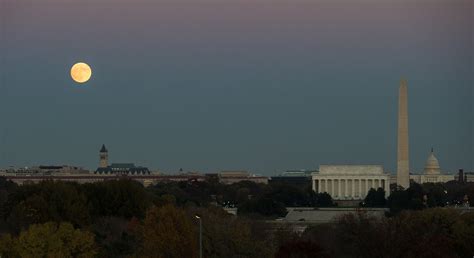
(258, 85)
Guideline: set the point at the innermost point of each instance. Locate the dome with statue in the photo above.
(432, 165)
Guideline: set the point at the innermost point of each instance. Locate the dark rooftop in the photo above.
(103, 149)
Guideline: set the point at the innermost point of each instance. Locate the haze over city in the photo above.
(207, 85)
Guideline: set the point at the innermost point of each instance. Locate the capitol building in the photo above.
(432, 172)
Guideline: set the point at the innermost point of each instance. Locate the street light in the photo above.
(200, 235)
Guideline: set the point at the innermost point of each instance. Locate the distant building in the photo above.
(307, 215)
(46, 170)
(432, 172)
(235, 176)
(298, 178)
(122, 169)
(469, 177)
(464, 177)
(350, 182)
(117, 168)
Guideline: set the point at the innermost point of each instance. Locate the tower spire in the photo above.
(103, 157)
(403, 166)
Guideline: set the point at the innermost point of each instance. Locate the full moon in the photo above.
(81, 72)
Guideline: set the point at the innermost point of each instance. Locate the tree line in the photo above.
(434, 232)
(121, 218)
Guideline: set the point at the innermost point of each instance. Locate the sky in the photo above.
(258, 85)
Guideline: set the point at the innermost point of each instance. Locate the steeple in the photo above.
(103, 149)
(103, 157)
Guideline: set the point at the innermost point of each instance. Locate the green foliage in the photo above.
(457, 191)
(375, 198)
(410, 199)
(184, 192)
(49, 240)
(46, 201)
(439, 232)
(289, 195)
(429, 195)
(263, 206)
(324, 200)
(300, 249)
(116, 236)
(119, 198)
(240, 192)
(6, 186)
(226, 235)
(436, 193)
(358, 235)
(168, 232)
(119, 215)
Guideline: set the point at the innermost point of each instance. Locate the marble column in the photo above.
(366, 187)
(353, 188)
(326, 186)
(339, 188)
(360, 188)
(346, 186)
(332, 188)
(319, 185)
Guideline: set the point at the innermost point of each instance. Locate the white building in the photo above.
(350, 182)
(432, 172)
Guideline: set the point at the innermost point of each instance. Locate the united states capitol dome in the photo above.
(432, 165)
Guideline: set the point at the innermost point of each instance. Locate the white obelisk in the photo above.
(403, 165)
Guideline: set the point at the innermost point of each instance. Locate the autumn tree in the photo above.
(226, 235)
(438, 232)
(49, 240)
(119, 198)
(46, 201)
(168, 232)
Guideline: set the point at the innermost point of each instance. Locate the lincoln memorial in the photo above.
(350, 182)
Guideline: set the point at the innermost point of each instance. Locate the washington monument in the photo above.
(403, 166)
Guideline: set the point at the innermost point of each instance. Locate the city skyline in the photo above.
(178, 86)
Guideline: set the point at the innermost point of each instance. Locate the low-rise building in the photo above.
(122, 169)
(235, 176)
(299, 178)
(464, 177)
(46, 170)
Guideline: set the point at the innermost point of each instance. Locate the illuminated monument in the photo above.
(432, 172)
(403, 165)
